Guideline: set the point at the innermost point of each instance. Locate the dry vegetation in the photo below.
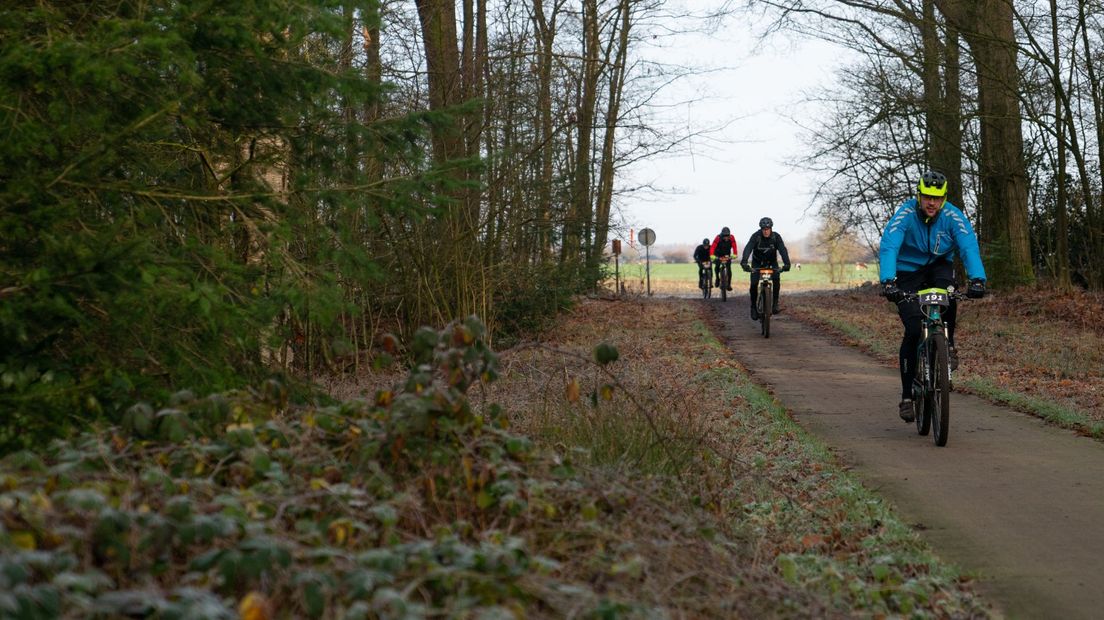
(1041, 351)
(662, 484)
(724, 506)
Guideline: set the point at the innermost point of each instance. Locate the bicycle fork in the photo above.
(928, 379)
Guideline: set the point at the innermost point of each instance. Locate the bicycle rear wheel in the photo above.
(941, 397)
(766, 296)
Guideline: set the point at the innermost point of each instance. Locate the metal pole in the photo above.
(648, 267)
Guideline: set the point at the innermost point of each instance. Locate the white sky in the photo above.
(736, 182)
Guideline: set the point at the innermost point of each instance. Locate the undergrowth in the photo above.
(622, 497)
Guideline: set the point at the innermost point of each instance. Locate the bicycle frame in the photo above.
(705, 268)
(764, 303)
(705, 278)
(932, 386)
(725, 272)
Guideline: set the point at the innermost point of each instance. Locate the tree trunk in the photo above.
(456, 279)
(1094, 203)
(1061, 215)
(613, 111)
(438, 21)
(942, 100)
(546, 35)
(580, 212)
(1003, 212)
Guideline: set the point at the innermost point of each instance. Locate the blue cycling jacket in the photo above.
(909, 243)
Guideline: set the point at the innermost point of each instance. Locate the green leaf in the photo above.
(605, 353)
(484, 500)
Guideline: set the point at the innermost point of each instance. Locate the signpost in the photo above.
(617, 266)
(647, 238)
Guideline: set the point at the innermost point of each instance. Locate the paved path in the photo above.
(1014, 501)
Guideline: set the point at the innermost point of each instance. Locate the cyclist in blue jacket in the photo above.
(917, 251)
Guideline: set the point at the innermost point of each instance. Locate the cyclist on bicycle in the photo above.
(723, 245)
(917, 251)
(763, 249)
(701, 257)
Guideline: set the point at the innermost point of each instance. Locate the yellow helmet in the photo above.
(932, 183)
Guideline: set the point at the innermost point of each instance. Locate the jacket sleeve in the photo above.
(892, 238)
(967, 244)
(782, 250)
(747, 250)
(713, 246)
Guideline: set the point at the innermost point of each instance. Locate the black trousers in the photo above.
(705, 273)
(717, 267)
(939, 274)
(753, 291)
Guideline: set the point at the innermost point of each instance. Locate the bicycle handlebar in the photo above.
(950, 294)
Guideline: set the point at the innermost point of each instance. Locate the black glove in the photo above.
(976, 290)
(891, 292)
(746, 267)
(785, 267)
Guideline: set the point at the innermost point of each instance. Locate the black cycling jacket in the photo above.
(701, 253)
(764, 251)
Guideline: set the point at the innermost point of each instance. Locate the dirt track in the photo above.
(1015, 502)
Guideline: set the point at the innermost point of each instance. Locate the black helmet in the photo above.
(705, 241)
(725, 231)
(766, 223)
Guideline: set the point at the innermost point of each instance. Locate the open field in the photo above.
(682, 278)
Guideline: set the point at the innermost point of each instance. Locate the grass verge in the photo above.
(1051, 412)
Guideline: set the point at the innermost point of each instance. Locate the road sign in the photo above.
(646, 236)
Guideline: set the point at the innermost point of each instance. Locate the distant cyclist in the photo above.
(763, 249)
(917, 251)
(723, 245)
(701, 258)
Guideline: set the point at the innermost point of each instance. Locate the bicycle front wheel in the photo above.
(941, 397)
(922, 391)
(767, 295)
(726, 277)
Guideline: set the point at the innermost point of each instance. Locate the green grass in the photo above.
(811, 275)
(1051, 412)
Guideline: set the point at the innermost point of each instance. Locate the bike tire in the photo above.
(941, 396)
(767, 295)
(725, 279)
(922, 392)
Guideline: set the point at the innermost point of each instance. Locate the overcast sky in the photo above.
(736, 183)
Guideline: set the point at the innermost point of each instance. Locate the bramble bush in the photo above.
(238, 502)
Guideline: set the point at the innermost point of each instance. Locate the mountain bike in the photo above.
(705, 279)
(931, 390)
(725, 272)
(764, 303)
